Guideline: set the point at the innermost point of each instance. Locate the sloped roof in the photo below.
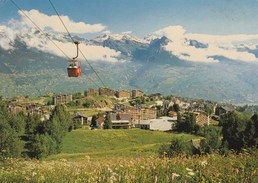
(123, 117)
(100, 120)
(77, 114)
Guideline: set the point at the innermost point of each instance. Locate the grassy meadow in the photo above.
(101, 144)
(128, 156)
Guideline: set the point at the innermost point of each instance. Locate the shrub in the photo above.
(177, 147)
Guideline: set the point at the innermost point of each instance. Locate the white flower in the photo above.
(190, 173)
(188, 169)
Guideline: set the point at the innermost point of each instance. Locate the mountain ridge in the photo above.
(145, 64)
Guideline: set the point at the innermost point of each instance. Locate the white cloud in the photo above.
(26, 32)
(218, 45)
(91, 52)
(53, 23)
(7, 37)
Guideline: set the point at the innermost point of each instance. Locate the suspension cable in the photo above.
(39, 29)
(47, 36)
(74, 41)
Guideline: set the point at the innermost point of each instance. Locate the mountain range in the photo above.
(31, 65)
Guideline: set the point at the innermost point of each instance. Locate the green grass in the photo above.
(87, 112)
(128, 156)
(114, 143)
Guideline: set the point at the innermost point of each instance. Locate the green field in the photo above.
(114, 143)
(126, 156)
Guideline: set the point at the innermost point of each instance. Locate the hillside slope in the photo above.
(114, 143)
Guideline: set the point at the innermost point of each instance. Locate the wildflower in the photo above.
(33, 174)
(63, 160)
(174, 175)
(189, 170)
(191, 173)
(155, 179)
(203, 163)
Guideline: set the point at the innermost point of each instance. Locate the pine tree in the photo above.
(108, 122)
(93, 121)
(233, 126)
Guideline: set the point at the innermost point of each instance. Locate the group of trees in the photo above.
(29, 136)
(163, 111)
(107, 121)
(235, 132)
(239, 131)
(187, 123)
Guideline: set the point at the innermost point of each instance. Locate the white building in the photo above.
(161, 124)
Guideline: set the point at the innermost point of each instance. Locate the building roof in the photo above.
(227, 108)
(100, 120)
(77, 114)
(120, 117)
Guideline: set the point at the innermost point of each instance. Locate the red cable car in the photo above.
(74, 68)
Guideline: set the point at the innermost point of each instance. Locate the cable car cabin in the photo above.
(74, 68)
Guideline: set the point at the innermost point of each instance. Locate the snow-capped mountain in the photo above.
(29, 63)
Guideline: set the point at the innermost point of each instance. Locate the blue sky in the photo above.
(221, 17)
(228, 27)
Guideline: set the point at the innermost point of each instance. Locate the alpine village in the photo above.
(103, 135)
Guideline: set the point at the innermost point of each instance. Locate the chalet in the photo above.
(62, 99)
(121, 121)
(222, 110)
(100, 122)
(137, 93)
(79, 118)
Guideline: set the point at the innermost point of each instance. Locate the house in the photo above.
(100, 122)
(222, 110)
(172, 114)
(184, 106)
(106, 91)
(62, 99)
(16, 108)
(137, 93)
(123, 94)
(121, 121)
(140, 113)
(79, 118)
(159, 102)
(33, 109)
(202, 118)
(167, 104)
(155, 96)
